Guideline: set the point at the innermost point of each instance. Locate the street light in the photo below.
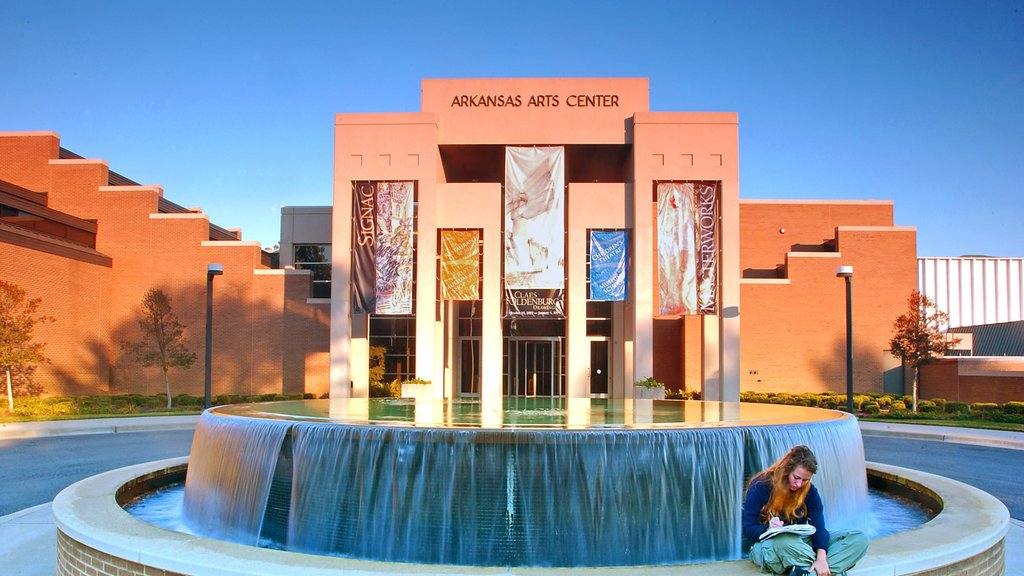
(211, 271)
(847, 273)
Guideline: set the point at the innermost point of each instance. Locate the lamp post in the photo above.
(847, 273)
(211, 271)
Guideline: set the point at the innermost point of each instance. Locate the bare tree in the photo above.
(18, 353)
(164, 343)
(918, 336)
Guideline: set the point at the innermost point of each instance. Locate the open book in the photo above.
(798, 529)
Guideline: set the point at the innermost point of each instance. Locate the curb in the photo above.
(991, 438)
(97, 426)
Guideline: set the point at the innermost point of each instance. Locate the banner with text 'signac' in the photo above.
(382, 247)
(535, 231)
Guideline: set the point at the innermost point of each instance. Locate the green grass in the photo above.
(7, 418)
(119, 406)
(964, 423)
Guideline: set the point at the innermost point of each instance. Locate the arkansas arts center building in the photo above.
(516, 237)
(556, 237)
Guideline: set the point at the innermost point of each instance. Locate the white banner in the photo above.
(534, 218)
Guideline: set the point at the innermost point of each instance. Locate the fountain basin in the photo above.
(96, 534)
(541, 483)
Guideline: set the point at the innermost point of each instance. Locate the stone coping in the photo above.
(970, 524)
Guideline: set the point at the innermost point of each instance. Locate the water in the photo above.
(163, 508)
(539, 483)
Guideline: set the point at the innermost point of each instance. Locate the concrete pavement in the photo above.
(28, 540)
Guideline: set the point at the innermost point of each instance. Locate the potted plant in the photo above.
(416, 388)
(649, 389)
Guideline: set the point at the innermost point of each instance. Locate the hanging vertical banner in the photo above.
(687, 248)
(535, 231)
(394, 247)
(707, 247)
(608, 265)
(460, 265)
(382, 258)
(364, 254)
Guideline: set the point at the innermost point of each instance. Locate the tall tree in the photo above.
(18, 353)
(164, 343)
(918, 336)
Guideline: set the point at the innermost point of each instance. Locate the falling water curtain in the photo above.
(535, 232)
(608, 281)
(382, 247)
(460, 264)
(688, 247)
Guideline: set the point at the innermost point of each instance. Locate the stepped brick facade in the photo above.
(90, 243)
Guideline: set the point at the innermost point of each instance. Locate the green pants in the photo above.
(779, 554)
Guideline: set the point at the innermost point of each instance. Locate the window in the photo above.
(317, 259)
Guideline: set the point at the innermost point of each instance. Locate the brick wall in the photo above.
(78, 341)
(24, 157)
(77, 559)
(266, 336)
(794, 326)
(771, 228)
(973, 380)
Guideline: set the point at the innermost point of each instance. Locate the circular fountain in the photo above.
(540, 483)
(96, 535)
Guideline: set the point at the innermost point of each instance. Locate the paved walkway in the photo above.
(28, 539)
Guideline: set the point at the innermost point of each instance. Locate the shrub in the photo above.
(1009, 418)
(808, 399)
(760, 397)
(941, 403)
(898, 405)
(184, 400)
(222, 399)
(648, 382)
(927, 407)
(684, 395)
(884, 401)
(385, 389)
(830, 403)
(860, 399)
(958, 408)
(984, 410)
(1013, 408)
(869, 407)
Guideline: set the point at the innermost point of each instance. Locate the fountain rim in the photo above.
(792, 415)
(970, 523)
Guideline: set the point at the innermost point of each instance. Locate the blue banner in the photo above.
(608, 265)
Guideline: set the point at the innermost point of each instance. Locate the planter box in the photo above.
(648, 393)
(418, 391)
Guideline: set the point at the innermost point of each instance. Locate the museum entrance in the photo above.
(533, 367)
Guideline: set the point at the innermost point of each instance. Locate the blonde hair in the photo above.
(783, 502)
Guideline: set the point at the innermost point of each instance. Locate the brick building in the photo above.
(91, 242)
(776, 320)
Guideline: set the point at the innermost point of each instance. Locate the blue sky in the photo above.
(230, 105)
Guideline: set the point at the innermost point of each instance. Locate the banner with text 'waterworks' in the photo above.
(688, 248)
(535, 232)
(460, 264)
(382, 242)
(608, 265)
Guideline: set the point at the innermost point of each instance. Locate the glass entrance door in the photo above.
(533, 367)
(599, 368)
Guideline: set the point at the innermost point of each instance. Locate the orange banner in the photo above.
(460, 265)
